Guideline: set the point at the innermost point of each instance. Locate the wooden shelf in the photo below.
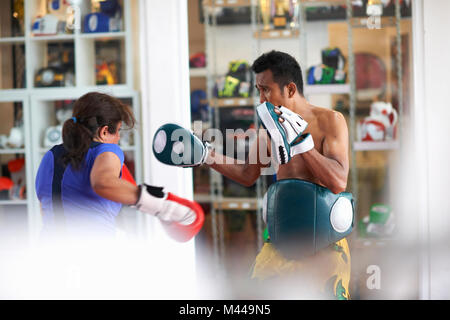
(202, 197)
(103, 35)
(227, 3)
(229, 203)
(371, 243)
(236, 204)
(322, 3)
(12, 151)
(127, 148)
(231, 102)
(277, 34)
(375, 145)
(13, 202)
(361, 22)
(11, 40)
(327, 89)
(56, 37)
(197, 72)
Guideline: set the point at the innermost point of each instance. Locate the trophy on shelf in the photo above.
(265, 6)
(374, 8)
(281, 14)
(295, 14)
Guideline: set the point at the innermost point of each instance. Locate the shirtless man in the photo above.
(279, 82)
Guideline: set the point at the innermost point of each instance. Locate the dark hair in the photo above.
(91, 112)
(285, 69)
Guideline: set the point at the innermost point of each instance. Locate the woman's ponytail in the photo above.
(76, 140)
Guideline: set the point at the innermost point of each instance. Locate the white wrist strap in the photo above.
(207, 154)
(165, 210)
(304, 146)
(150, 204)
(293, 124)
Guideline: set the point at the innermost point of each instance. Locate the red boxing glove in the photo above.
(126, 175)
(180, 232)
(153, 200)
(182, 219)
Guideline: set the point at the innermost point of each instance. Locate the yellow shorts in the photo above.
(327, 272)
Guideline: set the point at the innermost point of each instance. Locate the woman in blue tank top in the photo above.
(78, 182)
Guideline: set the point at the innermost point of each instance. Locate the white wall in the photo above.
(431, 113)
(164, 68)
(164, 84)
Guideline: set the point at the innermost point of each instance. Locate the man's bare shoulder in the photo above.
(330, 120)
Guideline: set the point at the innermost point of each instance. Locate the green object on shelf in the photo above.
(266, 235)
(327, 75)
(321, 74)
(237, 65)
(379, 213)
(231, 85)
(362, 228)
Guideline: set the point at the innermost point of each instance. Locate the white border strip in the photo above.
(419, 123)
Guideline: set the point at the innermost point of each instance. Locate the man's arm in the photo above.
(332, 167)
(245, 173)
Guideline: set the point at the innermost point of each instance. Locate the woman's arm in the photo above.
(106, 183)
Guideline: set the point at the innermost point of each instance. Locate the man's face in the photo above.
(269, 91)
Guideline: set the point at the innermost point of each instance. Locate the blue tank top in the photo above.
(66, 194)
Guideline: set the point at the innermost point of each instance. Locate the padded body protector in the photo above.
(304, 217)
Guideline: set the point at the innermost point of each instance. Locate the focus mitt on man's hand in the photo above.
(176, 146)
(286, 136)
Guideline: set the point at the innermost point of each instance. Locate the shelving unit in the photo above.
(7, 104)
(350, 87)
(375, 154)
(39, 102)
(367, 146)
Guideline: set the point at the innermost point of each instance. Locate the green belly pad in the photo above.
(303, 217)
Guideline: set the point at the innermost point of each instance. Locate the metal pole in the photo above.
(352, 107)
(399, 68)
(303, 40)
(259, 183)
(210, 72)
